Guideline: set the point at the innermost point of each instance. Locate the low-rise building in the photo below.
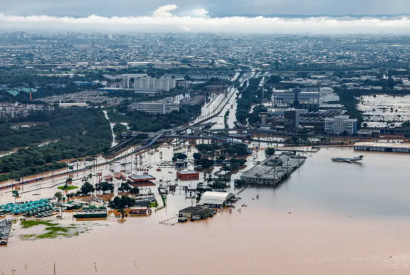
(215, 199)
(8, 109)
(196, 212)
(388, 147)
(153, 107)
(187, 175)
(141, 178)
(196, 100)
(297, 98)
(73, 104)
(364, 133)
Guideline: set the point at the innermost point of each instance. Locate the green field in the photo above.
(53, 230)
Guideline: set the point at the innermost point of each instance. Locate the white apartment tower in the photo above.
(145, 82)
(340, 124)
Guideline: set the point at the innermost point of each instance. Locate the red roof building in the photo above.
(187, 175)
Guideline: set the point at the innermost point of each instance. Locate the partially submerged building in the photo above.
(388, 147)
(215, 199)
(273, 170)
(141, 178)
(197, 212)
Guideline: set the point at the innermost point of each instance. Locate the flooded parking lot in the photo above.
(380, 110)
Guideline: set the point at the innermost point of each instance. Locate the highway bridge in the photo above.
(257, 131)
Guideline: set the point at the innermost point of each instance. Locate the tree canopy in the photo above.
(87, 188)
(269, 152)
(121, 202)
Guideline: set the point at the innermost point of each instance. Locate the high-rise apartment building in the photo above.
(145, 82)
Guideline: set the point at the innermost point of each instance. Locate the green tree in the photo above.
(104, 187)
(125, 187)
(87, 188)
(180, 156)
(135, 190)
(197, 156)
(220, 183)
(58, 196)
(205, 163)
(269, 152)
(121, 202)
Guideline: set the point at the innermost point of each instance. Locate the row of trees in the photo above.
(218, 183)
(121, 202)
(250, 95)
(118, 129)
(127, 188)
(144, 122)
(253, 118)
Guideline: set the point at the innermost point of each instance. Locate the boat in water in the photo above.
(348, 160)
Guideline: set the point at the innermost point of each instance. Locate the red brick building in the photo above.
(187, 175)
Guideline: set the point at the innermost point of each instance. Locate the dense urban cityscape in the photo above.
(130, 138)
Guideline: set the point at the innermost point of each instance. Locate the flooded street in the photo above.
(328, 218)
(381, 110)
(113, 143)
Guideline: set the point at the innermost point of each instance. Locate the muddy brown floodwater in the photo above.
(328, 218)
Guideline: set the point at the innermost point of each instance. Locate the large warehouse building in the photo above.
(215, 199)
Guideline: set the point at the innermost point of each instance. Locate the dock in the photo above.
(273, 170)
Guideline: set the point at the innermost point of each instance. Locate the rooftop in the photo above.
(194, 209)
(187, 172)
(213, 198)
(142, 177)
(383, 144)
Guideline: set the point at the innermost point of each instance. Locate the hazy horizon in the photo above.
(171, 18)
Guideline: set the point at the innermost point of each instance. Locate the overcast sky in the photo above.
(217, 7)
(203, 15)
